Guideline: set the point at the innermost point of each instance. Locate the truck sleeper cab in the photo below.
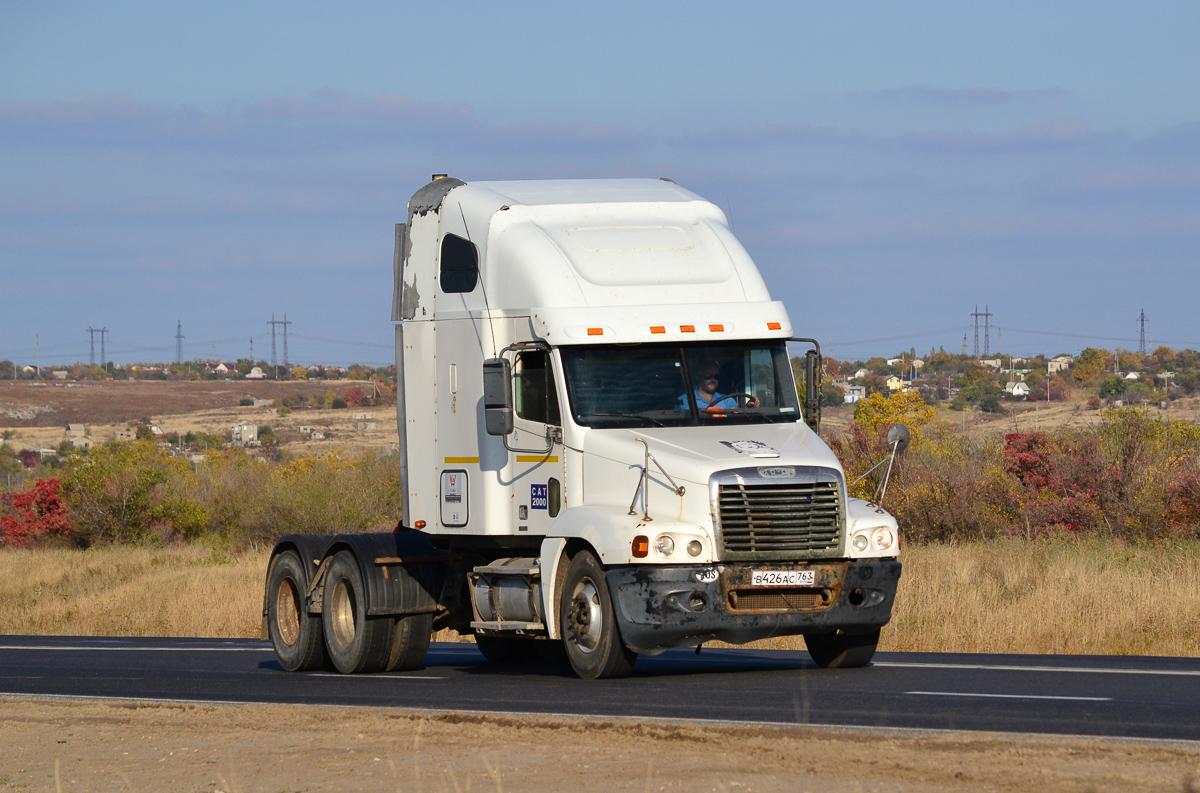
(602, 450)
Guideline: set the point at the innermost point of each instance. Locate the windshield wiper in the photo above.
(655, 422)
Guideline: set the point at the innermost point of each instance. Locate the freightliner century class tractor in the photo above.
(602, 450)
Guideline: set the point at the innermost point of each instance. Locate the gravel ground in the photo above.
(72, 745)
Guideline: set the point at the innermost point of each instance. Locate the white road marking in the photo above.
(374, 677)
(1075, 669)
(142, 649)
(1007, 696)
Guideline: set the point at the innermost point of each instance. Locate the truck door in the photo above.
(538, 493)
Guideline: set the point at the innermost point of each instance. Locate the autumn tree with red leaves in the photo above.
(39, 514)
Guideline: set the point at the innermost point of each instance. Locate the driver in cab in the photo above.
(704, 386)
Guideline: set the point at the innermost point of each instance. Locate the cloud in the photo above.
(328, 103)
(764, 135)
(929, 95)
(842, 233)
(1119, 183)
(1057, 133)
(113, 118)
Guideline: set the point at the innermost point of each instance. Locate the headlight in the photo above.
(859, 542)
(694, 548)
(664, 546)
(883, 539)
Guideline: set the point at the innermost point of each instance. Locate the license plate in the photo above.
(783, 577)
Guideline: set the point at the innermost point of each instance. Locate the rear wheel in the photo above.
(588, 623)
(295, 634)
(840, 650)
(356, 642)
(410, 642)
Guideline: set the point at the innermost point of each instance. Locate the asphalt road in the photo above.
(1130, 697)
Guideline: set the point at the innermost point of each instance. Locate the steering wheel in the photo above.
(742, 397)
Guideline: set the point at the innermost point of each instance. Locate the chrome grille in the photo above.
(779, 518)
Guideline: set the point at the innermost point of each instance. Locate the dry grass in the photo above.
(1064, 596)
(1005, 596)
(123, 591)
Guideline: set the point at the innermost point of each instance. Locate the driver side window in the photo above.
(533, 388)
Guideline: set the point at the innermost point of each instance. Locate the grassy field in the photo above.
(1010, 596)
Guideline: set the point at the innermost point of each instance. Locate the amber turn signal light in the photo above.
(641, 546)
(420, 524)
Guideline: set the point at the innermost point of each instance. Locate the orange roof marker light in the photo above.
(716, 328)
(657, 329)
(773, 326)
(687, 328)
(595, 331)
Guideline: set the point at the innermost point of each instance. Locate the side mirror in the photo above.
(812, 389)
(897, 438)
(497, 396)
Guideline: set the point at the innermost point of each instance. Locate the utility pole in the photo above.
(286, 365)
(179, 337)
(92, 345)
(1142, 325)
(251, 350)
(987, 315)
(274, 360)
(975, 314)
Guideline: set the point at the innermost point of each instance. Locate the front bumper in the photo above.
(659, 607)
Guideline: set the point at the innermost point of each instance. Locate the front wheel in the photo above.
(840, 650)
(588, 623)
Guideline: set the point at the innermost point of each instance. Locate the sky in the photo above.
(888, 166)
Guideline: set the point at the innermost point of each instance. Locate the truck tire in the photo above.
(295, 634)
(840, 650)
(588, 623)
(356, 642)
(410, 642)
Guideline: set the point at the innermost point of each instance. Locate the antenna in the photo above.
(179, 337)
(482, 285)
(1142, 325)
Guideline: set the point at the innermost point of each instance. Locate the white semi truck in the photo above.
(602, 450)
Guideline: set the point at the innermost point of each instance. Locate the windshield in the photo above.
(664, 385)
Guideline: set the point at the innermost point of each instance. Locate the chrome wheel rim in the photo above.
(343, 613)
(585, 618)
(287, 612)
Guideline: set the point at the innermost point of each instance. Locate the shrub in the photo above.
(132, 493)
(38, 514)
(1132, 477)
